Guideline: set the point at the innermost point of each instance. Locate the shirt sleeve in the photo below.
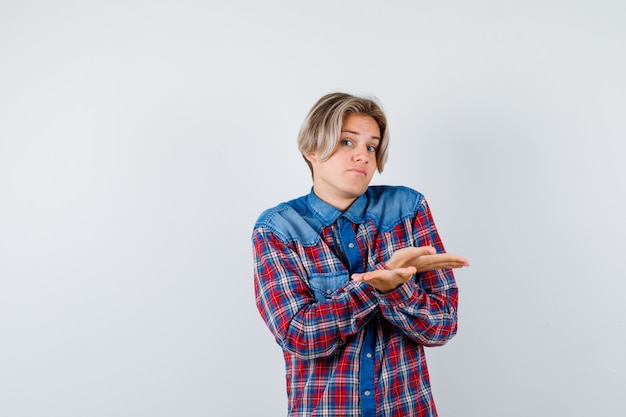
(301, 325)
(425, 307)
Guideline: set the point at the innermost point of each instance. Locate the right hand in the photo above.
(424, 258)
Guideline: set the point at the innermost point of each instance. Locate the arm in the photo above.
(427, 316)
(424, 308)
(300, 324)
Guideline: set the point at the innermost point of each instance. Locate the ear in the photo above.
(311, 157)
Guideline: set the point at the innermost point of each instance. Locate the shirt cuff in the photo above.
(399, 297)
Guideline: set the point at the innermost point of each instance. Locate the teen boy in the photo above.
(352, 280)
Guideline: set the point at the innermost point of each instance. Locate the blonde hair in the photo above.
(321, 129)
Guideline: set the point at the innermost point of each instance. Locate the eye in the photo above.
(372, 148)
(346, 142)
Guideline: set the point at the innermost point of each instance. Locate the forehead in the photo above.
(361, 124)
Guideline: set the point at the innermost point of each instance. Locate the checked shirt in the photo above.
(350, 350)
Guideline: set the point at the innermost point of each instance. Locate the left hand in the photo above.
(386, 280)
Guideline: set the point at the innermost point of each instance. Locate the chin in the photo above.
(356, 192)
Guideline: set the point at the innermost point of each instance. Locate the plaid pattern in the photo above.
(319, 316)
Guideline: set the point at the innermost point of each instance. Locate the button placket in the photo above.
(349, 246)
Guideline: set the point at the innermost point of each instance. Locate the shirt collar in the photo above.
(329, 214)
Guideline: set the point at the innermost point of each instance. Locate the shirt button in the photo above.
(350, 245)
(369, 355)
(367, 393)
(329, 291)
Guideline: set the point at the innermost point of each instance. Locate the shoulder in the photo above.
(284, 210)
(388, 205)
(290, 221)
(394, 192)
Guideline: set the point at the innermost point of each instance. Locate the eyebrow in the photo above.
(358, 134)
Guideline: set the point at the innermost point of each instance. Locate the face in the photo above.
(346, 174)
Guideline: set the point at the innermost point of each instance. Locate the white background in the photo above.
(139, 141)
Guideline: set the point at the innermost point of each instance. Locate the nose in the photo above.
(360, 154)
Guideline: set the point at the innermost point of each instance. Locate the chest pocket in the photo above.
(325, 285)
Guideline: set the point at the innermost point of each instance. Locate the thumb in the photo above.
(357, 277)
(422, 250)
(406, 272)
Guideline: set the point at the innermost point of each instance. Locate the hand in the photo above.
(385, 280)
(425, 258)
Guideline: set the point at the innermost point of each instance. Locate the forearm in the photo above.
(428, 319)
(285, 293)
(319, 328)
(425, 307)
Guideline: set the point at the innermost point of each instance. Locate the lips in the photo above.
(359, 171)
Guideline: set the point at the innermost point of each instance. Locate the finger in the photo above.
(377, 275)
(458, 260)
(422, 251)
(407, 272)
(443, 265)
(357, 277)
(442, 258)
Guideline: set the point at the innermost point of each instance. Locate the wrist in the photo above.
(390, 264)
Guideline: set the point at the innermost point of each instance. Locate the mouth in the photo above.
(359, 171)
